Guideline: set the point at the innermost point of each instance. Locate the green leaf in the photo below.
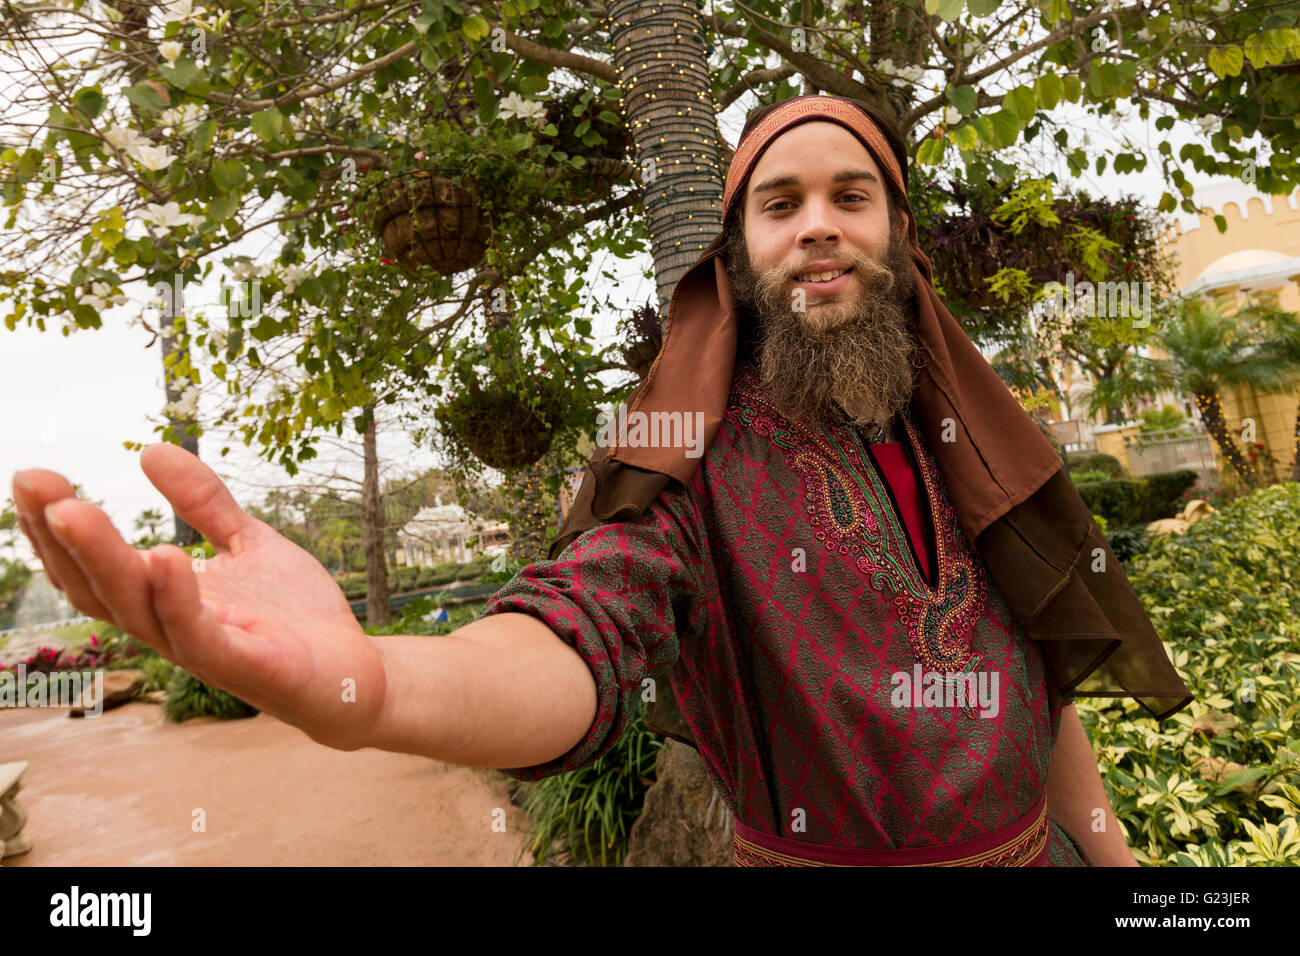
(965, 137)
(183, 75)
(532, 85)
(983, 8)
(1050, 90)
(201, 138)
(90, 101)
(475, 28)
(1056, 10)
(1006, 127)
(229, 174)
(962, 97)
(223, 207)
(267, 124)
(1022, 103)
(1226, 61)
(148, 95)
(1073, 88)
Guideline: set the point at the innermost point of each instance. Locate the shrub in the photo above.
(1081, 477)
(1096, 462)
(1128, 501)
(187, 697)
(158, 673)
(584, 817)
(1215, 783)
(1129, 542)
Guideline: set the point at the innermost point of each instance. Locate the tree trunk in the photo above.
(534, 515)
(659, 50)
(1212, 413)
(668, 104)
(1295, 449)
(185, 536)
(372, 523)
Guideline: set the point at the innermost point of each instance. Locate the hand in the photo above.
(262, 620)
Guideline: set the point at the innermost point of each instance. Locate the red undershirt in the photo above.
(896, 466)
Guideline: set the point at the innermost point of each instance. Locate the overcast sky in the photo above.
(70, 402)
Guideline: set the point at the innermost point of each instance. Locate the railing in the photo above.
(1173, 449)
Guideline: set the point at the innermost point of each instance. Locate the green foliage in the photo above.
(1128, 542)
(187, 697)
(1218, 782)
(158, 672)
(584, 818)
(1097, 461)
(1127, 501)
(411, 618)
(1080, 477)
(1162, 418)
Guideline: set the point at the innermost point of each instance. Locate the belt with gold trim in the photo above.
(1022, 843)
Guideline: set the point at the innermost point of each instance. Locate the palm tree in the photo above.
(1284, 341)
(1208, 352)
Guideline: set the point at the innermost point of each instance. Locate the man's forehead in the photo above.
(785, 163)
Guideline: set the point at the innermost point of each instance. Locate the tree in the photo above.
(149, 518)
(1209, 351)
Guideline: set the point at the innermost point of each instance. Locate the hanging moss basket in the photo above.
(428, 219)
(499, 429)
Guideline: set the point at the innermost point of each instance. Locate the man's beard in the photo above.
(864, 360)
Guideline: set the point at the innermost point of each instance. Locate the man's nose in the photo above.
(818, 223)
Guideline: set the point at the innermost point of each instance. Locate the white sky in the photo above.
(68, 403)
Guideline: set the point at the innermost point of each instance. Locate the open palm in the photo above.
(262, 619)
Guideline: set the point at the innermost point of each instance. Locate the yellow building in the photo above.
(1259, 252)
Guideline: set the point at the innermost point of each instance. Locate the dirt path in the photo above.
(123, 788)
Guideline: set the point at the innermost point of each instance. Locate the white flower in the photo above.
(171, 51)
(1221, 6)
(1208, 124)
(293, 276)
(218, 338)
(185, 407)
(886, 67)
(244, 271)
(952, 116)
(1145, 35)
(169, 215)
(105, 291)
(122, 138)
(181, 10)
(184, 118)
(152, 158)
(516, 107)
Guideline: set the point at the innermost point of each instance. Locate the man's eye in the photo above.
(850, 197)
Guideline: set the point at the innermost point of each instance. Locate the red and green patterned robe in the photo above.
(780, 589)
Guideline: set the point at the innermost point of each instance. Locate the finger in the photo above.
(200, 498)
(117, 574)
(34, 490)
(202, 645)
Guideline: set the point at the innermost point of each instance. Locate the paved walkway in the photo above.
(121, 789)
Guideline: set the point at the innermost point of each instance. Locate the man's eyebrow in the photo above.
(843, 176)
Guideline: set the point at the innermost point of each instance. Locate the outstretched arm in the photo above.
(1075, 793)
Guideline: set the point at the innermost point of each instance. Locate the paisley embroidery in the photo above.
(850, 512)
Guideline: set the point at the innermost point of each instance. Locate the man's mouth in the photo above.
(821, 276)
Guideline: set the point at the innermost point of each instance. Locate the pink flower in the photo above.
(386, 261)
(420, 155)
(94, 641)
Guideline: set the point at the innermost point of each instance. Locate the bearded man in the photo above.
(867, 603)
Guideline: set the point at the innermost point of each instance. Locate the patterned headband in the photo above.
(803, 109)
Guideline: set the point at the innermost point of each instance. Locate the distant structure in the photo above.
(445, 532)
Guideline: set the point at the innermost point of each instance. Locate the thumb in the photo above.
(196, 493)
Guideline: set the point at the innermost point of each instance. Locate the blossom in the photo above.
(184, 118)
(181, 10)
(186, 407)
(293, 276)
(218, 338)
(1207, 123)
(171, 51)
(243, 270)
(516, 107)
(152, 158)
(122, 138)
(101, 296)
(168, 215)
(952, 116)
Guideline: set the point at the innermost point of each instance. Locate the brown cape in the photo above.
(1008, 485)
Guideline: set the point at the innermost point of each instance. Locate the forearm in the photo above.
(1075, 794)
(503, 691)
